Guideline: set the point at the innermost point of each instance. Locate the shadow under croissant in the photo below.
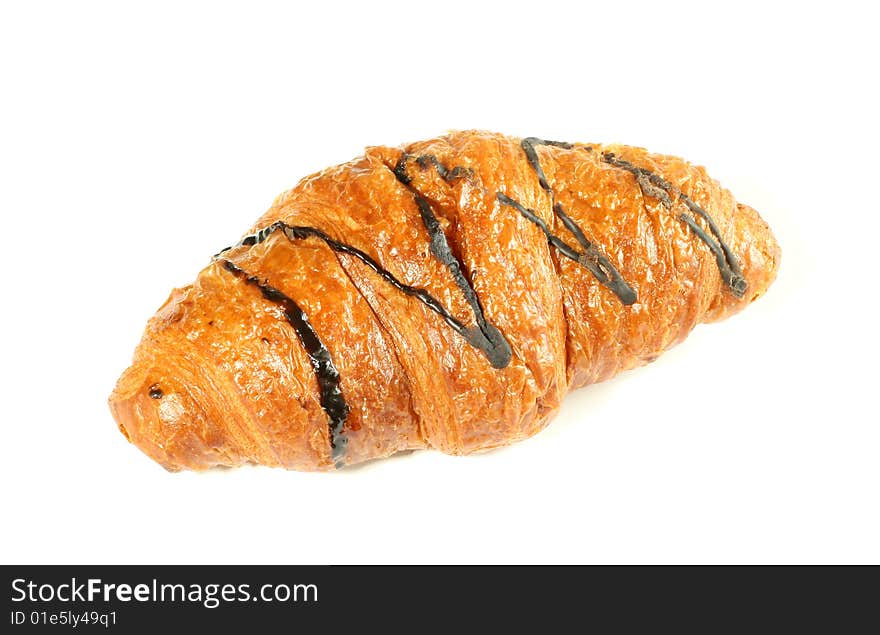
(581, 404)
(591, 399)
(373, 463)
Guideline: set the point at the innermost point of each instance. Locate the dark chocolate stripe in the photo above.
(656, 186)
(332, 400)
(599, 265)
(564, 248)
(528, 145)
(445, 173)
(737, 285)
(728, 253)
(495, 346)
(474, 337)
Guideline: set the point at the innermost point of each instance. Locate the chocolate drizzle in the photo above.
(332, 400)
(589, 260)
(657, 187)
(498, 355)
(424, 160)
(528, 145)
(488, 338)
(485, 336)
(591, 257)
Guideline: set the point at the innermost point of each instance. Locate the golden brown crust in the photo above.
(238, 386)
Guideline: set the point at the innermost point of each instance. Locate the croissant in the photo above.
(447, 294)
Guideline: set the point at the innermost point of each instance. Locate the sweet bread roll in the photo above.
(446, 294)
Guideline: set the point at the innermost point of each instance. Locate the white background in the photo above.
(135, 140)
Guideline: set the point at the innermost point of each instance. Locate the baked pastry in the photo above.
(447, 294)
